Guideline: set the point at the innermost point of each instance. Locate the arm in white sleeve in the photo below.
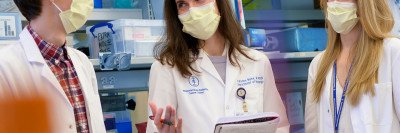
(161, 90)
(396, 83)
(273, 101)
(98, 125)
(311, 107)
(4, 85)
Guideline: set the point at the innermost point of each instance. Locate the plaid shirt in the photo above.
(61, 65)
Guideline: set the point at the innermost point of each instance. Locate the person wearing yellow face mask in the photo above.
(353, 86)
(41, 64)
(203, 72)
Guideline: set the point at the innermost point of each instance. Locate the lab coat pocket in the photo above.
(378, 110)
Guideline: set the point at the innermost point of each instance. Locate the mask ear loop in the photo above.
(52, 1)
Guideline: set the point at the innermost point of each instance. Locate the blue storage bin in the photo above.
(98, 4)
(126, 3)
(123, 4)
(107, 3)
(124, 127)
(258, 37)
(301, 39)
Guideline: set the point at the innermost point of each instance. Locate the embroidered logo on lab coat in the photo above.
(250, 80)
(194, 81)
(192, 91)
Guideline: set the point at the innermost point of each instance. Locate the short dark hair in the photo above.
(31, 9)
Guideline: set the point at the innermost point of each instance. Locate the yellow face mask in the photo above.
(200, 22)
(342, 16)
(76, 16)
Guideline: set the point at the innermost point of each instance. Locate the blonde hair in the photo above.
(376, 22)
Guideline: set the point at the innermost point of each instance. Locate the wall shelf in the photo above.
(292, 55)
(111, 14)
(136, 62)
(114, 14)
(282, 18)
(283, 15)
(145, 62)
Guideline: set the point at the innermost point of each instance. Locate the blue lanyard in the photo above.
(338, 113)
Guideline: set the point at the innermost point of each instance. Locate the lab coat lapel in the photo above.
(86, 87)
(79, 68)
(87, 90)
(207, 66)
(35, 58)
(49, 75)
(232, 73)
(326, 117)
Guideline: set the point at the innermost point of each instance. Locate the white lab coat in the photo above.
(379, 114)
(202, 102)
(22, 68)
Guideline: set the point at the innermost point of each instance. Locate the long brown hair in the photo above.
(376, 22)
(179, 49)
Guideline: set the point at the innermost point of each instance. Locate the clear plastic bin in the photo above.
(10, 26)
(136, 36)
(8, 6)
(101, 39)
